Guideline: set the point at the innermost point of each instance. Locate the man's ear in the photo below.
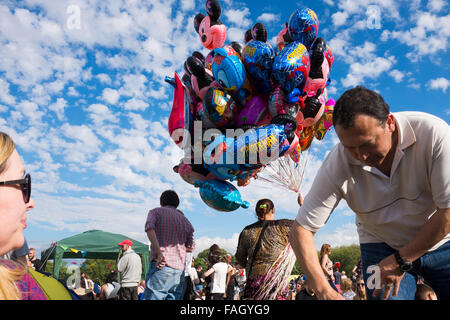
(390, 122)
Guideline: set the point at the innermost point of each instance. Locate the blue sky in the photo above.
(83, 96)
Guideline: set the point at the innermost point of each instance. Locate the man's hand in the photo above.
(160, 261)
(329, 294)
(390, 276)
(300, 199)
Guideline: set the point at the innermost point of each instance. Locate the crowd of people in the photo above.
(403, 222)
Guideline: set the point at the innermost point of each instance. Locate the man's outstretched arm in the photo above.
(302, 242)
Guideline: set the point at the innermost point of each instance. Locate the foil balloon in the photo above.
(318, 79)
(201, 114)
(319, 72)
(258, 59)
(255, 113)
(229, 72)
(210, 29)
(314, 108)
(306, 137)
(193, 172)
(181, 118)
(283, 38)
(278, 104)
(219, 108)
(303, 26)
(220, 158)
(291, 67)
(201, 78)
(220, 195)
(326, 121)
(228, 69)
(329, 56)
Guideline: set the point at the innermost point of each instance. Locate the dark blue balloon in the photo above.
(258, 58)
(291, 66)
(303, 26)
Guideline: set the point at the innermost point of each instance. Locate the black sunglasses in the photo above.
(25, 186)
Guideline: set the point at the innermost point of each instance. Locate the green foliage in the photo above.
(202, 258)
(348, 256)
(98, 269)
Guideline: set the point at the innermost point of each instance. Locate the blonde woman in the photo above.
(327, 264)
(15, 201)
(360, 290)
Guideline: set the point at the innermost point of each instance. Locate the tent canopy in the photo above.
(92, 244)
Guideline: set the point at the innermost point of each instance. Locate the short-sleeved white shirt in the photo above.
(388, 209)
(218, 283)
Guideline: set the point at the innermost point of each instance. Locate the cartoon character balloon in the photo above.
(318, 74)
(211, 30)
(229, 72)
(303, 26)
(201, 78)
(258, 57)
(291, 67)
(283, 38)
(219, 108)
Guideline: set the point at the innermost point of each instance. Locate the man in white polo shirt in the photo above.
(393, 169)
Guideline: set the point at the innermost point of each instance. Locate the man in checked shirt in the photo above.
(171, 236)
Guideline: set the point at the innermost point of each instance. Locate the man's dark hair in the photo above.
(169, 198)
(359, 100)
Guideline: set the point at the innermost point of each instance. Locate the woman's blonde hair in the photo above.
(8, 278)
(7, 147)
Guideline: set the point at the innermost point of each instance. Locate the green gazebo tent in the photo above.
(92, 244)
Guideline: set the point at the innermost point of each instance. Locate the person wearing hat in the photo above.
(337, 276)
(130, 268)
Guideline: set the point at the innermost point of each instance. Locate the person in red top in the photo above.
(171, 236)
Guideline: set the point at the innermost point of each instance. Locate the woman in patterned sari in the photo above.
(264, 251)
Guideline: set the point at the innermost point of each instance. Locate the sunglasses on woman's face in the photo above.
(25, 186)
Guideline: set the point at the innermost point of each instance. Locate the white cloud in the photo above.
(239, 18)
(104, 78)
(136, 104)
(429, 36)
(439, 84)
(339, 18)
(58, 107)
(397, 75)
(5, 95)
(230, 245)
(436, 5)
(100, 113)
(267, 18)
(111, 96)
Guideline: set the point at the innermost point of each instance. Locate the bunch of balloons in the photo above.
(276, 97)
